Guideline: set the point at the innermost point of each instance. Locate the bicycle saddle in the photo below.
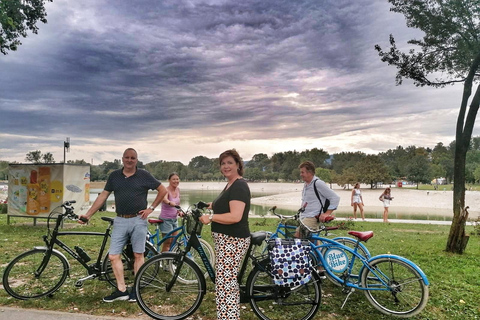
(153, 221)
(362, 236)
(108, 219)
(258, 237)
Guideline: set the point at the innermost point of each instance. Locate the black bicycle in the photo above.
(42, 271)
(172, 286)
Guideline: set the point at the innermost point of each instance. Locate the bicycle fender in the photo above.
(360, 245)
(60, 253)
(410, 263)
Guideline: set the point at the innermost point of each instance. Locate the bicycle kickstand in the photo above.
(350, 291)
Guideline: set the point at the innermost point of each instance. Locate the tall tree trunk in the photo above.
(457, 239)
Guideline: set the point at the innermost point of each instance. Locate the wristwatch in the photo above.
(151, 208)
(210, 217)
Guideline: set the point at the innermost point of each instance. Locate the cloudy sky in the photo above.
(180, 78)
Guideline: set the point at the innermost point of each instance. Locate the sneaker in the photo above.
(117, 295)
(133, 296)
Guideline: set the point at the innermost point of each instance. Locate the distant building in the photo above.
(439, 181)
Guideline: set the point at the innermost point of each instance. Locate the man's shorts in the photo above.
(124, 229)
(168, 225)
(310, 222)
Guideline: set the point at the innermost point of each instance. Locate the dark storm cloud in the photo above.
(112, 69)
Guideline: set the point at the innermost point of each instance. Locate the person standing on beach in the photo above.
(130, 186)
(357, 201)
(385, 197)
(318, 199)
(169, 212)
(231, 234)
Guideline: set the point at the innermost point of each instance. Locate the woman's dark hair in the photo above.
(234, 154)
(173, 174)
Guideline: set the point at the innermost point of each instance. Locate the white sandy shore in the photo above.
(406, 200)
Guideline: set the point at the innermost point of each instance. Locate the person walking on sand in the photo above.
(357, 201)
(130, 186)
(385, 197)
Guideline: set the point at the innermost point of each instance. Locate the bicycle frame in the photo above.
(194, 243)
(329, 244)
(94, 270)
(154, 238)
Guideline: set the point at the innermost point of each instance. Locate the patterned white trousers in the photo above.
(229, 255)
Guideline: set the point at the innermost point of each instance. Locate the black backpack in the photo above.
(327, 201)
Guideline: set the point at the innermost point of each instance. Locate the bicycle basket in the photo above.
(291, 227)
(290, 261)
(190, 225)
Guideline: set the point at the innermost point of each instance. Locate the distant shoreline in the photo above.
(406, 200)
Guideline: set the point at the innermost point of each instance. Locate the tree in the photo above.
(418, 170)
(346, 178)
(324, 174)
(344, 160)
(34, 156)
(3, 170)
(48, 158)
(16, 18)
(201, 165)
(372, 170)
(37, 157)
(450, 50)
(476, 174)
(260, 161)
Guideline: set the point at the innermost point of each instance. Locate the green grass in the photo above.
(454, 279)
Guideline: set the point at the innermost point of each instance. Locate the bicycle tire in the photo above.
(195, 256)
(128, 264)
(357, 266)
(406, 295)
(272, 302)
(182, 300)
(19, 278)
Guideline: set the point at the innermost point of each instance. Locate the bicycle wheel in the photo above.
(357, 265)
(128, 264)
(182, 300)
(272, 302)
(404, 295)
(195, 256)
(22, 281)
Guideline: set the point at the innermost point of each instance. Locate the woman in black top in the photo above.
(231, 234)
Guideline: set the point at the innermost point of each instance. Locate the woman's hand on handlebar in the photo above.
(205, 219)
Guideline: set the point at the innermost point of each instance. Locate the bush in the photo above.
(476, 226)
(3, 208)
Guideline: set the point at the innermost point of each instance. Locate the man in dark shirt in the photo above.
(130, 186)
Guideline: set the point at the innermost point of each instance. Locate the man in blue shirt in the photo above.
(130, 186)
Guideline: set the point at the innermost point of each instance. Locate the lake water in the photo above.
(189, 197)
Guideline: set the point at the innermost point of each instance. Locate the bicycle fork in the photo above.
(169, 286)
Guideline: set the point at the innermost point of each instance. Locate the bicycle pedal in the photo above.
(79, 284)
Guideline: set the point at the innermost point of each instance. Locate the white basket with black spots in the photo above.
(290, 262)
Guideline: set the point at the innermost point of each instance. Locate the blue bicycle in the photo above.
(288, 225)
(392, 284)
